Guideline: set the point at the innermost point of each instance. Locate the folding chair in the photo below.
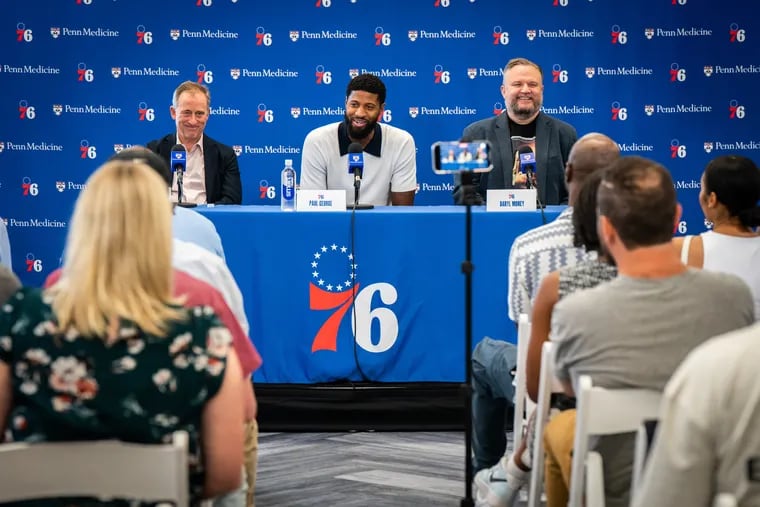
(644, 438)
(603, 412)
(103, 469)
(523, 405)
(547, 385)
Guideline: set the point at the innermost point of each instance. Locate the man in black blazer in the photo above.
(212, 174)
(550, 138)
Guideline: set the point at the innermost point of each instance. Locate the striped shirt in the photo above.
(535, 254)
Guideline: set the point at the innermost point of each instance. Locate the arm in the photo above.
(404, 179)
(313, 166)
(6, 396)
(540, 326)
(232, 189)
(518, 297)
(222, 433)
(5, 247)
(8, 283)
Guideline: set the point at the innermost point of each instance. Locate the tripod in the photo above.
(469, 198)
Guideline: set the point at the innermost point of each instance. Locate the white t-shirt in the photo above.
(389, 164)
(708, 431)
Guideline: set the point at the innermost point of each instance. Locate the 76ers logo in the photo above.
(333, 286)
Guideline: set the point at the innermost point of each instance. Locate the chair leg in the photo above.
(250, 460)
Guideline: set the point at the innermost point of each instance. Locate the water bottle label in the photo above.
(288, 192)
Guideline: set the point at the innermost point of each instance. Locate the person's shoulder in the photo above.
(187, 252)
(558, 232)
(481, 125)
(156, 144)
(395, 133)
(323, 132)
(561, 125)
(717, 281)
(190, 216)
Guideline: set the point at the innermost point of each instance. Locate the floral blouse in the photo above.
(140, 388)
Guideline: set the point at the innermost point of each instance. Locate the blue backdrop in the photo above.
(674, 80)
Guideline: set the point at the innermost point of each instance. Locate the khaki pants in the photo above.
(558, 444)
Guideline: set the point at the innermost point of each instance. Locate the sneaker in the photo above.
(497, 486)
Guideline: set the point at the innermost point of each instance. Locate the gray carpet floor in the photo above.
(360, 469)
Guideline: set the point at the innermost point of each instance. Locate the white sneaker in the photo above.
(499, 485)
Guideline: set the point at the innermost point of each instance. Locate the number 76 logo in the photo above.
(340, 302)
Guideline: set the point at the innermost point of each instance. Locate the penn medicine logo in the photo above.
(353, 73)
(238, 149)
(413, 34)
(116, 72)
(174, 33)
(708, 70)
(235, 74)
(708, 147)
(57, 109)
(295, 112)
(649, 109)
(2, 146)
(294, 35)
(414, 111)
(649, 33)
(60, 186)
(590, 71)
(530, 34)
(472, 72)
(55, 32)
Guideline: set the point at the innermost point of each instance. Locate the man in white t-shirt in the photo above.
(390, 169)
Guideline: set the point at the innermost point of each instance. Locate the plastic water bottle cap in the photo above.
(288, 161)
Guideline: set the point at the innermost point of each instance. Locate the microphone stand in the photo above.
(532, 183)
(180, 190)
(468, 198)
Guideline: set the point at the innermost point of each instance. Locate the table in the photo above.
(295, 272)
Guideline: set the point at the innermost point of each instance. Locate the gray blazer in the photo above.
(554, 138)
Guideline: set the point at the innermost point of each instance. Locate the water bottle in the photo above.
(288, 190)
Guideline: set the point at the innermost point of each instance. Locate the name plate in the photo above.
(513, 199)
(320, 200)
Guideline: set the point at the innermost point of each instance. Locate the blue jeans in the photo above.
(492, 392)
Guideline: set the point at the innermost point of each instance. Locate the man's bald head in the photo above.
(589, 154)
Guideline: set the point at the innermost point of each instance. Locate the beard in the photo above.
(524, 112)
(360, 133)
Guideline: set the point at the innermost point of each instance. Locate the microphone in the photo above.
(179, 165)
(528, 164)
(356, 162)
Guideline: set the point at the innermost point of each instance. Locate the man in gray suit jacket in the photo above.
(550, 138)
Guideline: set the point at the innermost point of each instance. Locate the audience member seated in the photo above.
(707, 440)
(533, 255)
(634, 331)
(109, 352)
(9, 283)
(187, 224)
(729, 197)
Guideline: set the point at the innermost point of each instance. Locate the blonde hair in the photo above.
(118, 254)
(191, 87)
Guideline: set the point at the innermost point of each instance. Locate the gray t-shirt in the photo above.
(634, 332)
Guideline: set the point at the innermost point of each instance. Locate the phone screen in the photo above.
(455, 156)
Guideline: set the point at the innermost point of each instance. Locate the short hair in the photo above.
(585, 234)
(118, 260)
(144, 155)
(514, 62)
(191, 87)
(736, 183)
(638, 198)
(367, 83)
(590, 153)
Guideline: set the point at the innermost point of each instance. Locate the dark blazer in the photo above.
(222, 172)
(554, 138)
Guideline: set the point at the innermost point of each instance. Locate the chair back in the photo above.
(103, 469)
(520, 382)
(644, 439)
(547, 384)
(603, 412)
